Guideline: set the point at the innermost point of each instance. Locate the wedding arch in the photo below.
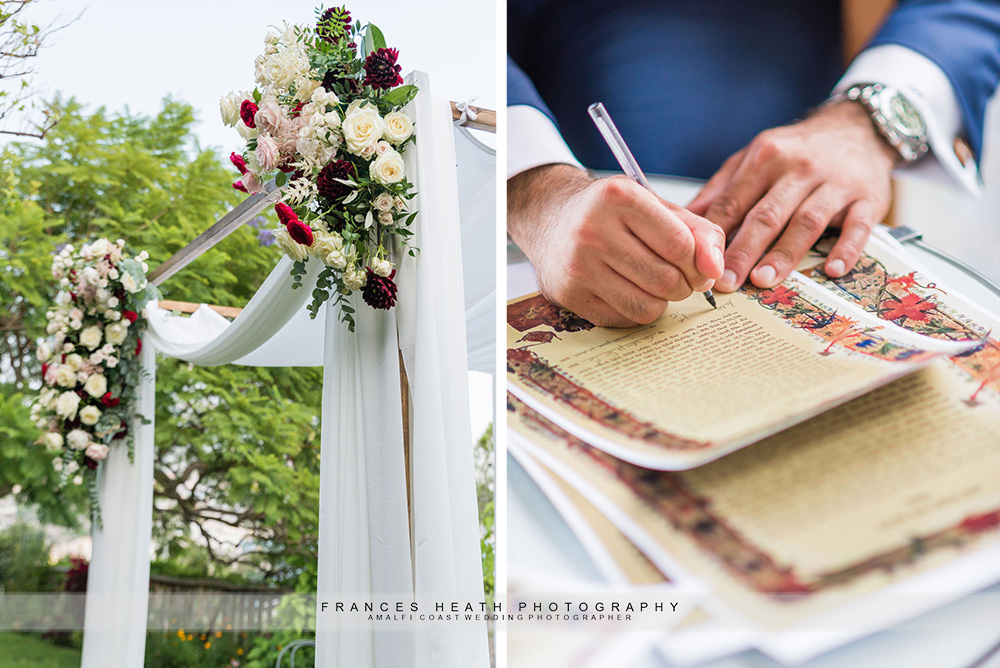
(397, 503)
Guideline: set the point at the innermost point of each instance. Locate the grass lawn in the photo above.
(22, 651)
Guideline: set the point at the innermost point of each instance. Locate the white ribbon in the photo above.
(468, 114)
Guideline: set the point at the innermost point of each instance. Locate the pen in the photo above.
(624, 157)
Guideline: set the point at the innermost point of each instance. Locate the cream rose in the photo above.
(43, 352)
(291, 247)
(383, 202)
(97, 451)
(116, 333)
(89, 415)
(53, 441)
(91, 337)
(229, 107)
(66, 405)
(65, 376)
(398, 127)
(74, 361)
(387, 168)
(382, 267)
(362, 127)
(96, 385)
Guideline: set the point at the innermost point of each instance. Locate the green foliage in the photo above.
(235, 446)
(22, 650)
(180, 649)
(24, 560)
(485, 458)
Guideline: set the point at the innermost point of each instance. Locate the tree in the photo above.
(20, 41)
(236, 446)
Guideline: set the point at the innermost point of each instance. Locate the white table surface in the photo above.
(540, 542)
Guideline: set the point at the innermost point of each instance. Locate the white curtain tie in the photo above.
(468, 114)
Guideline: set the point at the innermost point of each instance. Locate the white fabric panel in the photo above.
(114, 627)
(445, 524)
(477, 200)
(364, 538)
(209, 340)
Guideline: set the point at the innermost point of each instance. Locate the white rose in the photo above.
(385, 218)
(229, 107)
(74, 361)
(246, 132)
(362, 127)
(112, 362)
(382, 267)
(89, 415)
(113, 302)
(130, 284)
(387, 168)
(91, 276)
(116, 333)
(112, 315)
(367, 152)
(291, 247)
(398, 127)
(97, 451)
(91, 337)
(322, 97)
(63, 298)
(53, 441)
(383, 202)
(325, 243)
(100, 247)
(43, 352)
(305, 87)
(66, 405)
(78, 439)
(331, 119)
(335, 259)
(57, 464)
(96, 385)
(354, 279)
(47, 398)
(267, 152)
(65, 376)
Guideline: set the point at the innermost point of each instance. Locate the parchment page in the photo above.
(700, 383)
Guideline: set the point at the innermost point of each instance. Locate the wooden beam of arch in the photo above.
(486, 119)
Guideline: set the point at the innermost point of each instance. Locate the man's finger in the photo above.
(715, 185)
(748, 184)
(858, 225)
(632, 259)
(763, 224)
(806, 226)
(628, 299)
(709, 247)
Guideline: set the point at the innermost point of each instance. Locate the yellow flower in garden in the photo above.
(203, 636)
(190, 636)
(240, 651)
(180, 633)
(208, 645)
(229, 627)
(218, 634)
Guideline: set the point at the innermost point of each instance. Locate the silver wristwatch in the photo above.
(894, 117)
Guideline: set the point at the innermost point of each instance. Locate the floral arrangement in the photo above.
(325, 121)
(89, 364)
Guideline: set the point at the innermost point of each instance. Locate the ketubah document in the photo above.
(867, 513)
(701, 383)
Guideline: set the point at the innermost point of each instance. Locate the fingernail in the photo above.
(728, 281)
(765, 275)
(704, 287)
(836, 268)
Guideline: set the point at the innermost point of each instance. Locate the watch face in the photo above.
(906, 119)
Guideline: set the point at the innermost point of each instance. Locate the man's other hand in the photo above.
(791, 183)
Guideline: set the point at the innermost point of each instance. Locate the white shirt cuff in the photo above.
(533, 140)
(927, 88)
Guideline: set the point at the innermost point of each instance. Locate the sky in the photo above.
(132, 53)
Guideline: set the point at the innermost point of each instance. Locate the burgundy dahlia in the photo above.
(238, 162)
(334, 24)
(247, 111)
(300, 232)
(381, 70)
(326, 182)
(379, 291)
(285, 213)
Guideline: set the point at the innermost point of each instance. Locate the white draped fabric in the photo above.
(118, 579)
(367, 544)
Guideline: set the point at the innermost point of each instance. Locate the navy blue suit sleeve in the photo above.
(962, 37)
(520, 90)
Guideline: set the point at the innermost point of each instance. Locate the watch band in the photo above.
(892, 115)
